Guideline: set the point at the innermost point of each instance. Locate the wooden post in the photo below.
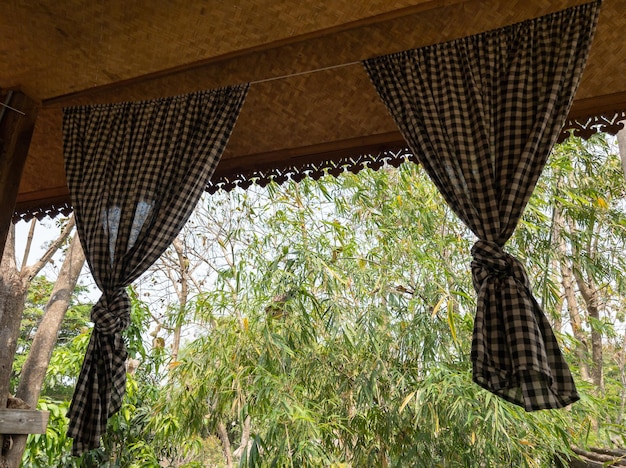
(16, 130)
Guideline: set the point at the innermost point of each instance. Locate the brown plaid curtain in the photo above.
(135, 173)
(482, 114)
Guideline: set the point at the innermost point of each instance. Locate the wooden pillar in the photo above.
(16, 131)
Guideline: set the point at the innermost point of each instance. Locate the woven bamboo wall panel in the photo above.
(605, 72)
(44, 168)
(43, 41)
(416, 30)
(304, 114)
(305, 110)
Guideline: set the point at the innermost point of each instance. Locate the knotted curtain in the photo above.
(135, 171)
(481, 114)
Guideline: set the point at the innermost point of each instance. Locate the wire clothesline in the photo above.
(275, 78)
(306, 72)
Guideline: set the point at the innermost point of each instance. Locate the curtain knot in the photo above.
(491, 261)
(490, 257)
(111, 314)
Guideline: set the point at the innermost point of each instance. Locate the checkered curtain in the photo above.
(481, 115)
(135, 172)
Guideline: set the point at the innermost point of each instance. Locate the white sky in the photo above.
(47, 231)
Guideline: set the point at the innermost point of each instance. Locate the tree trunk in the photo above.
(13, 288)
(622, 373)
(36, 365)
(245, 438)
(14, 285)
(555, 264)
(223, 435)
(621, 141)
(183, 294)
(575, 320)
(589, 292)
(567, 281)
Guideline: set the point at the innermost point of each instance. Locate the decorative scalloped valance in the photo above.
(584, 128)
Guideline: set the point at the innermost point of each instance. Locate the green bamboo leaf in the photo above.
(406, 401)
(451, 324)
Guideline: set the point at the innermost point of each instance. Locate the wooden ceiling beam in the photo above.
(16, 130)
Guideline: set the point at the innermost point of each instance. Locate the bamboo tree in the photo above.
(356, 339)
(333, 323)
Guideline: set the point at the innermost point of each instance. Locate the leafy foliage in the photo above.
(330, 322)
(57, 384)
